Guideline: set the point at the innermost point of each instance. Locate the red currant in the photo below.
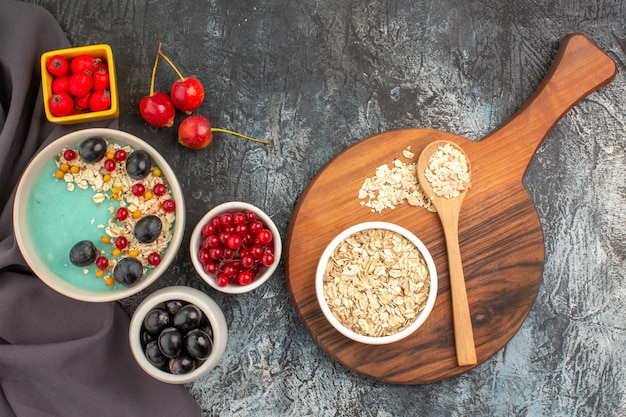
(154, 259)
(247, 261)
(244, 277)
(211, 241)
(216, 223)
(216, 253)
(221, 279)
(226, 219)
(234, 242)
(241, 229)
(229, 270)
(121, 242)
(102, 262)
(264, 236)
(257, 251)
(69, 154)
(121, 214)
(210, 267)
(138, 189)
(110, 165)
(208, 229)
(255, 227)
(239, 219)
(204, 256)
(250, 215)
(120, 155)
(159, 189)
(267, 259)
(169, 205)
(228, 253)
(223, 236)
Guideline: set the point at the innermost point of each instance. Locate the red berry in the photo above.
(121, 242)
(61, 104)
(121, 214)
(80, 84)
(154, 259)
(69, 154)
(245, 277)
(83, 63)
(247, 261)
(229, 270)
(264, 236)
(138, 189)
(208, 229)
(120, 155)
(223, 236)
(100, 100)
(210, 267)
(102, 262)
(267, 259)
(169, 206)
(216, 253)
(109, 165)
(82, 103)
(211, 241)
(226, 219)
(257, 251)
(61, 84)
(241, 230)
(234, 242)
(187, 94)
(239, 219)
(221, 279)
(204, 256)
(159, 189)
(57, 66)
(255, 227)
(250, 215)
(101, 79)
(157, 109)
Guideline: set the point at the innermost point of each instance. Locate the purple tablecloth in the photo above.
(58, 356)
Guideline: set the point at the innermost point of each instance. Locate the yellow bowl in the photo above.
(101, 51)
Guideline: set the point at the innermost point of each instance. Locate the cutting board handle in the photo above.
(579, 68)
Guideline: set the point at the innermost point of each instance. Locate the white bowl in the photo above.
(264, 272)
(190, 295)
(358, 337)
(25, 239)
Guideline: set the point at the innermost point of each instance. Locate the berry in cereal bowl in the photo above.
(98, 215)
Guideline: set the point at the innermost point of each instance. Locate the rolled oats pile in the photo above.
(395, 185)
(448, 172)
(376, 282)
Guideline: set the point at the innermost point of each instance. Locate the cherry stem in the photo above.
(169, 61)
(156, 62)
(217, 129)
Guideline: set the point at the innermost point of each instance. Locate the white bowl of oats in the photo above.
(98, 215)
(376, 283)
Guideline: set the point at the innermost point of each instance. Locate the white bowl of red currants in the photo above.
(235, 247)
(178, 334)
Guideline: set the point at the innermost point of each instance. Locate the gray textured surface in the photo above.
(316, 76)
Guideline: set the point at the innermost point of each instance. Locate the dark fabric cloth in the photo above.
(58, 356)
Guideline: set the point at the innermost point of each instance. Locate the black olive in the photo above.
(93, 149)
(128, 271)
(198, 344)
(182, 365)
(83, 253)
(188, 317)
(148, 229)
(138, 164)
(156, 320)
(171, 342)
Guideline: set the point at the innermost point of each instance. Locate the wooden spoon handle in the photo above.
(462, 321)
(579, 68)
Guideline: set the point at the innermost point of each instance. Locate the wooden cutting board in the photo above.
(499, 231)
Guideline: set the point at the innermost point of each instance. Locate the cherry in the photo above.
(57, 66)
(61, 104)
(157, 109)
(187, 93)
(195, 132)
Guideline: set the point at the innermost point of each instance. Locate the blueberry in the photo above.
(128, 271)
(182, 365)
(171, 342)
(93, 149)
(138, 164)
(83, 253)
(148, 229)
(198, 344)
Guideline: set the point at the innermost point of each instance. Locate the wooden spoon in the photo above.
(448, 209)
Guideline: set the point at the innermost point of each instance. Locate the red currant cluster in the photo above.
(79, 84)
(234, 247)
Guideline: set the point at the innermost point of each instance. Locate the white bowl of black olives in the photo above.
(178, 334)
(98, 215)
